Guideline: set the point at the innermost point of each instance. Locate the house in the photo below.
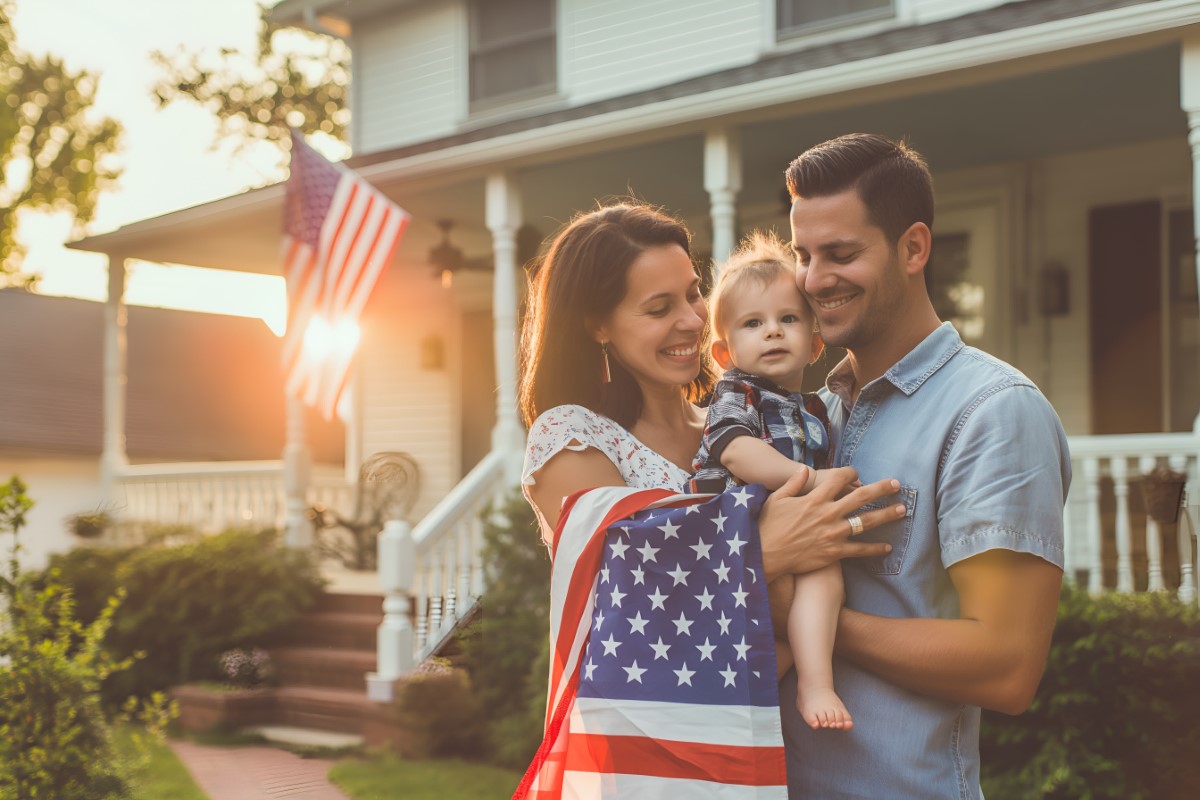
(1064, 137)
(202, 388)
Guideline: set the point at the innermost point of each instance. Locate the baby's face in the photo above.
(769, 332)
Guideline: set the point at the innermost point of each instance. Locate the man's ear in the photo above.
(818, 347)
(915, 246)
(720, 353)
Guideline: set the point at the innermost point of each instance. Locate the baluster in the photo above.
(466, 534)
(1091, 475)
(1120, 477)
(1187, 555)
(423, 609)
(1154, 582)
(476, 546)
(450, 564)
(1069, 565)
(435, 594)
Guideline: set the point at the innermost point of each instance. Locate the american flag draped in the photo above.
(339, 233)
(662, 676)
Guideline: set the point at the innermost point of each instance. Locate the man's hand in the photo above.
(804, 533)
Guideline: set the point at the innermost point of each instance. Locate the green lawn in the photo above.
(163, 777)
(387, 778)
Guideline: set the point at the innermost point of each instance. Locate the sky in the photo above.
(168, 155)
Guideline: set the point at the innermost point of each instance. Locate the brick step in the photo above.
(349, 603)
(334, 629)
(323, 709)
(323, 667)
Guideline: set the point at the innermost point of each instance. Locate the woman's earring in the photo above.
(605, 372)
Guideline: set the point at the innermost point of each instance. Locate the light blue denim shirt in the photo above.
(983, 464)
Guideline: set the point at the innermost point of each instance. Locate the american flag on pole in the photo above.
(662, 676)
(339, 233)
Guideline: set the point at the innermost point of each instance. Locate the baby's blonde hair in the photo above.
(760, 259)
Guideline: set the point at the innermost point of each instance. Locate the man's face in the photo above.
(847, 269)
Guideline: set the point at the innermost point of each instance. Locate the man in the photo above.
(960, 613)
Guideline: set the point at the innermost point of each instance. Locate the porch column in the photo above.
(297, 472)
(723, 181)
(113, 458)
(1189, 89)
(503, 212)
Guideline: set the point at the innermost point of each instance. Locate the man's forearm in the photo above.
(993, 656)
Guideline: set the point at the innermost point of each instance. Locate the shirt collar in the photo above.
(908, 373)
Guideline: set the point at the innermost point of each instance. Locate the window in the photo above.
(513, 53)
(805, 16)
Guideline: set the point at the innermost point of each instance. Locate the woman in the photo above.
(614, 361)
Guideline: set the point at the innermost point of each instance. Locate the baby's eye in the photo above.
(789, 318)
(751, 323)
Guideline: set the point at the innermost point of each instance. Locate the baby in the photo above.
(760, 429)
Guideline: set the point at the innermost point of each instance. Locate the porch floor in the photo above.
(349, 581)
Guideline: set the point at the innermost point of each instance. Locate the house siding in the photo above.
(923, 11)
(406, 407)
(411, 72)
(1068, 187)
(613, 47)
(59, 488)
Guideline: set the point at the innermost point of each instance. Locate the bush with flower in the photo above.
(247, 669)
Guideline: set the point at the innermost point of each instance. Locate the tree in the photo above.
(294, 79)
(55, 153)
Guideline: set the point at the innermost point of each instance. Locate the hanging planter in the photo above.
(1162, 490)
(89, 524)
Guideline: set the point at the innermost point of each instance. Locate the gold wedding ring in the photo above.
(855, 525)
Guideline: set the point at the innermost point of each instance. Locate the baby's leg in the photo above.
(812, 623)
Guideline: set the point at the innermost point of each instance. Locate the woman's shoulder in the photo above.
(570, 427)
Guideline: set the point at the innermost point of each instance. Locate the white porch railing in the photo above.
(212, 496)
(1102, 526)
(433, 574)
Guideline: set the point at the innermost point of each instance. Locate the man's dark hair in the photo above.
(891, 179)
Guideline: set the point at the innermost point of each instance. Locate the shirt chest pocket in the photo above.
(898, 534)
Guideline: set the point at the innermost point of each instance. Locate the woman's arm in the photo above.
(754, 461)
(567, 472)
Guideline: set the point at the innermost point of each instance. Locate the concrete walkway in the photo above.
(257, 773)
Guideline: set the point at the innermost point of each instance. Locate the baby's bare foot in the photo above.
(822, 708)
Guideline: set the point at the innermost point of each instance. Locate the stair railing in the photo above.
(432, 574)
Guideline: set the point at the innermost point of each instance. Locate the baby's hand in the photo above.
(819, 476)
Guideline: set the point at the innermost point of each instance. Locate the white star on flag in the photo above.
(669, 530)
(706, 649)
(685, 675)
(742, 649)
(648, 553)
(679, 575)
(639, 576)
(740, 597)
(619, 548)
(610, 646)
(638, 625)
(735, 545)
(705, 598)
(660, 649)
(617, 595)
(722, 573)
(742, 497)
(724, 623)
(719, 519)
(701, 549)
(683, 625)
(729, 674)
(657, 599)
(634, 672)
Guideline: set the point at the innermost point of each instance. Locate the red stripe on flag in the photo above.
(640, 755)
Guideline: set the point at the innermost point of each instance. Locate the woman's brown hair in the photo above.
(581, 279)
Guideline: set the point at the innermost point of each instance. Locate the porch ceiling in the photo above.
(1125, 98)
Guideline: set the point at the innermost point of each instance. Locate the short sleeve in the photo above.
(566, 428)
(733, 412)
(1004, 479)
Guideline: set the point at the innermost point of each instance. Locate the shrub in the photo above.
(441, 712)
(1116, 713)
(188, 603)
(55, 741)
(507, 652)
(246, 669)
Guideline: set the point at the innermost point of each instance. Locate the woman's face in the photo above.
(655, 331)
